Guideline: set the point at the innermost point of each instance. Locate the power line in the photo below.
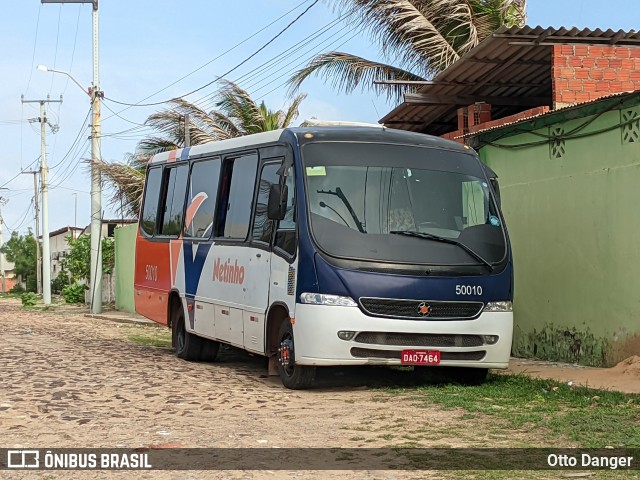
(263, 84)
(73, 51)
(117, 114)
(227, 72)
(55, 55)
(35, 43)
(20, 173)
(76, 165)
(285, 82)
(83, 126)
(208, 102)
(210, 61)
(22, 222)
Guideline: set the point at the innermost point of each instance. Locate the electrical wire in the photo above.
(208, 101)
(55, 55)
(84, 122)
(35, 43)
(286, 81)
(562, 137)
(210, 61)
(72, 165)
(58, 181)
(22, 222)
(18, 174)
(298, 65)
(227, 72)
(117, 114)
(73, 51)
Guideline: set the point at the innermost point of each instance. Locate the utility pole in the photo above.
(75, 209)
(44, 172)
(36, 205)
(3, 202)
(96, 185)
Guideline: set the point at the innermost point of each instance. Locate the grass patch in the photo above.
(151, 339)
(551, 410)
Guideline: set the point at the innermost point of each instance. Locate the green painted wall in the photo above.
(574, 224)
(125, 238)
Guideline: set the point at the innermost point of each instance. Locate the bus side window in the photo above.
(236, 195)
(203, 190)
(150, 203)
(262, 226)
(175, 187)
(286, 237)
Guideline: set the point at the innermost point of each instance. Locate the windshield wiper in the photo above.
(338, 193)
(437, 238)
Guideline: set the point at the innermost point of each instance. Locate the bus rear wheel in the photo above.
(189, 346)
(295, 377)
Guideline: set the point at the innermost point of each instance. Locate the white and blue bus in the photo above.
(328, 245)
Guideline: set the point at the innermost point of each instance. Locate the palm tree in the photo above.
(422, 36)
(236, 115)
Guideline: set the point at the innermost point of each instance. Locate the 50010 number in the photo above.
(468, 290)
(151, 273)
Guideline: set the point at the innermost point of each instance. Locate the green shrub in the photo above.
(17, 288)
(29, 299)
(74, 293)
(61, 281)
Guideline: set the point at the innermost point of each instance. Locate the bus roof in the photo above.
(325, 133)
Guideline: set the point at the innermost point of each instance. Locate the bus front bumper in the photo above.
(316, 330)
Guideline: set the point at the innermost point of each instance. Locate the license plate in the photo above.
(420, 357)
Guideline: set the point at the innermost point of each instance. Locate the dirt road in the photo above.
(71, 381)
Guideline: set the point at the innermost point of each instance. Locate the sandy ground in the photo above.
(71, 381)
(624, 377)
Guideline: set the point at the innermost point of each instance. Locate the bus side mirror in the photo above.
(496, 189)
(277, 206)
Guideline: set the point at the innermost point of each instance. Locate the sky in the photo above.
(152, 51)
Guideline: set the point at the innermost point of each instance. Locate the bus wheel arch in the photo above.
(281, 348)
(278, 314)
(174, 303)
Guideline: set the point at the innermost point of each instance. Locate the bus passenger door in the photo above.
(258, 273)
(284, 261)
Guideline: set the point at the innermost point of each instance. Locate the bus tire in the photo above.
(188, 346)
(209, 350)
(295, 377)
(470, 376)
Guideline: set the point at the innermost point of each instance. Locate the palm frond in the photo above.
(292, 112)
(347, 72)
(239, 107)
(127, 181)
(423, 37)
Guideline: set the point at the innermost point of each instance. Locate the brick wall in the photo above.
(586, 72)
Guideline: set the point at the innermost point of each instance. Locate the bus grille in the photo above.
(396, 354)
(438, 310)
(419, 339)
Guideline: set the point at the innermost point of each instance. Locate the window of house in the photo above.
(150, 203)
(201, 200)
(236, 195)
(175, 189)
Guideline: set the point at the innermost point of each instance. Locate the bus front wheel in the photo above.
(295, 377)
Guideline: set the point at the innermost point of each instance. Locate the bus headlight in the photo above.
(322, 299)
(499, 307)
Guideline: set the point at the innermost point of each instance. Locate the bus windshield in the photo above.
(399, 203)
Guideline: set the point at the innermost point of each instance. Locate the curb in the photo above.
(132, 321)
